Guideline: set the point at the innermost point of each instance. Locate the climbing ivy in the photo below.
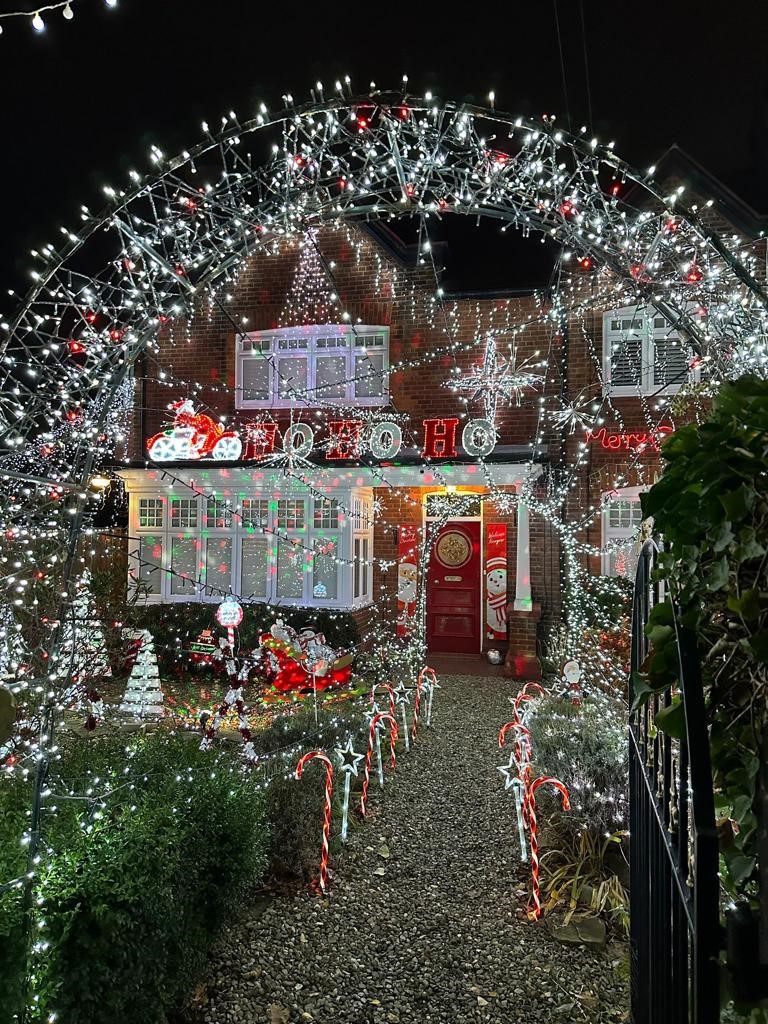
(711, 508)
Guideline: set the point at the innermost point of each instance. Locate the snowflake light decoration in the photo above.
(493, 380)
(581, 412)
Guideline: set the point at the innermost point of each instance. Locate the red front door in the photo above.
(453, 588)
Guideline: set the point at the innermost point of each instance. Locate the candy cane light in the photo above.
(544, 780)
(320, 756)
(381, 717)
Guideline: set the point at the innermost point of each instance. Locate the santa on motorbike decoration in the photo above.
(194, 435)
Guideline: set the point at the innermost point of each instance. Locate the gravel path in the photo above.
(436, 935)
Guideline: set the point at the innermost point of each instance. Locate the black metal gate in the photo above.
(674, 889)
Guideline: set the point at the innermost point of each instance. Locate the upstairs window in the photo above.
(642, 353)
(313, 367)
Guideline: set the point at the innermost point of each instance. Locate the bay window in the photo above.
(291, 549)
(316, 365)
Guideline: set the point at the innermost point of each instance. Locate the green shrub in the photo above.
(135, 892)
(711, 507)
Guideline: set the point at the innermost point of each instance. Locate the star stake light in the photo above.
(349, 762)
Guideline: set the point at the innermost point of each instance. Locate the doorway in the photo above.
(453, 587)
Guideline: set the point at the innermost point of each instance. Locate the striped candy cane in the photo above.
(420, 685)
(390, 695)
(535, 914)
(327, 813)
(430, 679)
(381, 717)
(540, 691)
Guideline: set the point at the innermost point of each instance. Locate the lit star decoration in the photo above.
(581, 412)
(495, 381)
(349, 761)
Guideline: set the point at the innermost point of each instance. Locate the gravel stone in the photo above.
(439, 934)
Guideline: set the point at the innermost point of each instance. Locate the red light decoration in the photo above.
(442, 204)
(615, 188)
(634, 442)
(180, 271)
(116, 334)
(259, 439)
(567, 208)
(637, 270)
(586, 263)
(440, 438)
(694, 275)
(403, 112)
(671, 225)
(410, 189)
(345, 438)
(91, 317)
(75, 347)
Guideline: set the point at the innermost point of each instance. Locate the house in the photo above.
(327, 429)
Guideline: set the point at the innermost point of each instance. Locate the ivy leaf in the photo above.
(659, 635)
(740, 868)
(718, 576)
(723, 537)
(759, 646)
(737, 503)
(747, 605)
(671, 720)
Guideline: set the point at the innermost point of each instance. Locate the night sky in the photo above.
(82, 102)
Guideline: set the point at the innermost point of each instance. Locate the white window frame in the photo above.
(314, 345)
(611, 533)
(343, 529)
(648, 334)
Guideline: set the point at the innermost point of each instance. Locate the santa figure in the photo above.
(407, 586)
(496, 596)
(572, 682)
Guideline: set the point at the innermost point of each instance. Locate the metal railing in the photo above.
(675, 930)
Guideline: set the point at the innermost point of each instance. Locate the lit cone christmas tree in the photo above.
(310, 298)
(82, 643)
(143, 697)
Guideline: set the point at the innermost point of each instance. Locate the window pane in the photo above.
(218, 564)
(364, 587)
(254, 512)
(369, 374)
(150, 557)
(218, 514)
(325, 571)
(184, 558)
(151, 512)
(356, 567)
(290, 513)
(183, 513)
(255, 379)
(290, 570)
(326, 514)
(255, 567)
(330, 377)
(292, 378)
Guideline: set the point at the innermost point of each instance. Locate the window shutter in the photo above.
(670, 361)
(626, 360)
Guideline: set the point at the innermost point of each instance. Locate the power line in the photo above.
(562, 63)
(586, 62)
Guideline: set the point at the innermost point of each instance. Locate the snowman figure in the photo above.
(496, 596)
(572, 682)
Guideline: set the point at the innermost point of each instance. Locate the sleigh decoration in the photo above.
(192, 436)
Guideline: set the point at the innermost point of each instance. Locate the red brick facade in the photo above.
(197, 360)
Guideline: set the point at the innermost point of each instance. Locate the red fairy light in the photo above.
(180, 271)
(362, 123)
(410, 189)
(46, 450)
(91, 317)
(671, 225)
(694, 275)
(75, 347)
(298, 160)
(403, 112)
(567, 208)
(342, 183)
(695, 363)
(585, 263)
(443, 204)
(73, 414)
(116, 334)
(128, 264)
(637, 270)
(162, 318)
(615, 188)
